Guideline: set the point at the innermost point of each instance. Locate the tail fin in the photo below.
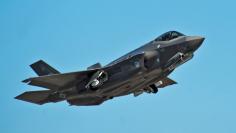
(95, 66)
(42, 68)
(37, 97)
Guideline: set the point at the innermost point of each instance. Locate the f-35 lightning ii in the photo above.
(143, 70)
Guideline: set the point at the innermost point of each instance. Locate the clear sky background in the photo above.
(73, 34)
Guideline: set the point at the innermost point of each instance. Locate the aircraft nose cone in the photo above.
(195, 42)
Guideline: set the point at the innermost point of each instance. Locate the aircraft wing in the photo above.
(166, 82)
(57, 81)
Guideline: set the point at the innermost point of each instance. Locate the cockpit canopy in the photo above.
(169, 36)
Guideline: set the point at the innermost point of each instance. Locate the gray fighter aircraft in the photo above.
(143, 70)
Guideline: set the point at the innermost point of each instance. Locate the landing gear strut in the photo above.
(154, 89)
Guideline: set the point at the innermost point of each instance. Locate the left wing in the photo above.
(153, 88)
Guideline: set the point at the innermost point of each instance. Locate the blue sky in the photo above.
(71, 35)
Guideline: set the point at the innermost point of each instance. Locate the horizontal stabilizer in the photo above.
(42, 68)
(95, 66)
(36, 97)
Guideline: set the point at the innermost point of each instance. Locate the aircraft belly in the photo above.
(135, 83)
(146, 80)
(120, 78)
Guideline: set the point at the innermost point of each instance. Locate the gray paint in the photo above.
(143, 70)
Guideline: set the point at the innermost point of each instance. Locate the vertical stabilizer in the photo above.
(42, 68)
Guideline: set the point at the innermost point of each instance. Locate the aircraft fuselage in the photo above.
(142, 70)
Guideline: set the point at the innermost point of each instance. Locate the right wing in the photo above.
(57, 81)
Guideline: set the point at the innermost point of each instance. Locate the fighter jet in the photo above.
(144, 70)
